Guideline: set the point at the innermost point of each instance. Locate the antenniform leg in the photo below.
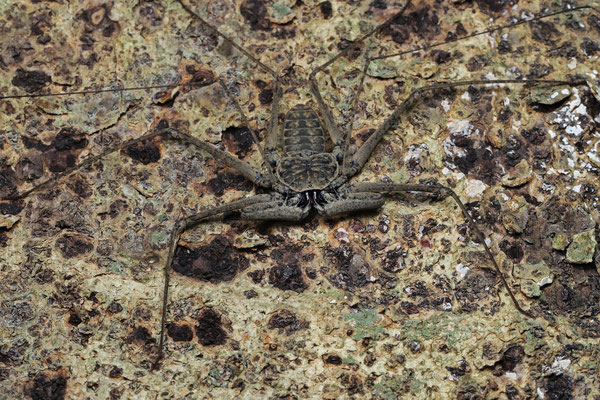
(260, 207)
(363, 154)
(332, 127)
(244, 168)
(443, 190)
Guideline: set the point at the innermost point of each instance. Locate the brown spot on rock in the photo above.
(60, 155)
(545, 31)
(326, 10)
(286, 322)
(31, 81)
(210, 330)
(140, 336)
(535, 135)
(589, 47)
(558, 387)
(69, 139)
(97, 20)
(151, 15)
(265, 96)
(352, 268)
(460, 370)
(512, 356)
(73, 246)
(115, 373)
(215, 262)
(422, 22)
(47, 385)
(287, 277)
(144, 152)
(180, 333)
(514, 251)
(495, 6)
(226, 180)
(30, 167)
(238, 140)
(8, 189)
(332, 359)
(255, 14)
(80, 188)
(257, 275)
(440, 56)
(476, 286)
(74, 319)
(352, 383)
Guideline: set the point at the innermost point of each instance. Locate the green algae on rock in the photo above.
(582, 247)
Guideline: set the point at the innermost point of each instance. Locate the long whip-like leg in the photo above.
(180, 226)
(246, 122)
(520, 21)
(332, 127)
(364, 152)
(244, 168)
(439, 189)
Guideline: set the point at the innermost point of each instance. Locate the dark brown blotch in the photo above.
(590, 47)
(8, 189)
(31, 81)
(479, 161)
(255, 14)
(495, 7)
(440, 56)
(200, 76)
(474, 288)
(352, 270)
(265, 96)
(115, 373)
(352, 383)
(287, 277)
(80, 188)
(326, 10)
(286, 322)
(216, 262)
(512, 357)
(180, 333)
(238, 140)
(97, 19)
(48, 385)
(210, 329)
(421, 22)
(151, 14)
(257, 275)
(513, 250)
(226, 180)
(30, 167)
(558, 387)
(460, 370)
(62, 152)
(140, 336)
(545, 32)
(69, 139)
(144, 152)
(73, 246)
(332, 359)
(535, 135)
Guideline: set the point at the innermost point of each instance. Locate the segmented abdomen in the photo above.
(302, 132)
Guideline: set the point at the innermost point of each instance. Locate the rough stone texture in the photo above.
(424, 316)
(581, 250)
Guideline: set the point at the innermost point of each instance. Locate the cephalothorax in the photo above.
(299, 170)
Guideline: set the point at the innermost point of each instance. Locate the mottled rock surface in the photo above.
(398, 303)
